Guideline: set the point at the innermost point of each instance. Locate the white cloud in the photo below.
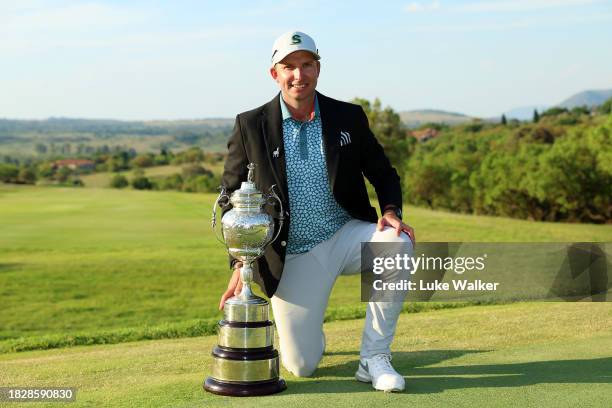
(514, 24)
(28, 30)
(37, 25)
(519, 5)
(416, 7)
(466, 28)
(69, 17)
(504, 6)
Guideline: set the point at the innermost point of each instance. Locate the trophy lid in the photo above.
(248, 194)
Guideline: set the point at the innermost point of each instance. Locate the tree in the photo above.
(580, 110)
(142, 160)
(555, 111)
(63, 174)
(193, 170)
(536, 116)
(606, 107)
(172, 182)
(26, 176)
(45, 170)
(389, 131)
(503, 120)
(192, 155)
(119, 181)
(8, 173)
(40, 148)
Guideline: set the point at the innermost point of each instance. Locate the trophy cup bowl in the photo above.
(245, 362)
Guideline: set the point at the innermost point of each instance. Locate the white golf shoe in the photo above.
(379, 371)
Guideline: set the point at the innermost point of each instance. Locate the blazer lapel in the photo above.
(330, 138)
(272, 129)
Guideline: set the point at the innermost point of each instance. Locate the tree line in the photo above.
(556, 168)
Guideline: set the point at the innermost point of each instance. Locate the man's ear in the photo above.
(273, 73)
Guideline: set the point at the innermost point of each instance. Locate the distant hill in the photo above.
(112, 126)
(524, 112)
(210, 122)
(416, 118)
(67, 135)
(588, 98)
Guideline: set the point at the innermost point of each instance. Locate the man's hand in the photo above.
(389, 218)
(234, 287)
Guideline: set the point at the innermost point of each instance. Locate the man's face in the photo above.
(297, 75)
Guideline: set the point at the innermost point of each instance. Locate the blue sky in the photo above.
(198, 59)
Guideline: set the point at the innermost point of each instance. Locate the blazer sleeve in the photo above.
(378, 170)
(235, 170)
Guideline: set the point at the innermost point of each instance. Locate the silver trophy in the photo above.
(245, 362)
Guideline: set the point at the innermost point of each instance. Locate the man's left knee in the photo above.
(389, 234)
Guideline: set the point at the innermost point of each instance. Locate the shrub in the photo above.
(142, 183)
(119, 181)
(27, 176)
(554, 111)
(193, 170)
(172, 182)
(8, 173)
(143, 160)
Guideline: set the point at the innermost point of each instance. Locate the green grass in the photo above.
(524, 354)
(105, 263)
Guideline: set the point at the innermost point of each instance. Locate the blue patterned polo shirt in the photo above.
(315, 213)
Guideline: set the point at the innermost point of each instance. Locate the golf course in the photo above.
(115, 293)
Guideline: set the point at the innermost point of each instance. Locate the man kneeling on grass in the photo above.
(317, 150)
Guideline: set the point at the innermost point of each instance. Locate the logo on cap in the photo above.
(296, 39)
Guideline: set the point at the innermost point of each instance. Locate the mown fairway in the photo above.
(518, 355)
(89, 260)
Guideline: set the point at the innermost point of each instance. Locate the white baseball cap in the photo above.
(293, 41)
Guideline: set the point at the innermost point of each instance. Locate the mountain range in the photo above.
(588, 98)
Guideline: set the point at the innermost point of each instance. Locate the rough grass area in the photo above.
(525, 354)
(122, 265)
(205, 327)
(103, 179)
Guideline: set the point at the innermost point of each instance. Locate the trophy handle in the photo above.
(222, 195)
(280, 219)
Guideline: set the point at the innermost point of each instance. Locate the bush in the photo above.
(606, 107)
(474, 127)
(193, 170)
(63, 174)
(27, 176)
(45, 170)
(142, 183)
(580, 110)
(143, 160)
(8, 173)
(201, 184)
(172, 182)
(554, 111)
(119, 181)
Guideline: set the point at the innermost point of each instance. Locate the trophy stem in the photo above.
(246, 275)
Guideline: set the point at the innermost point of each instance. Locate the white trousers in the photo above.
(301, 298)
